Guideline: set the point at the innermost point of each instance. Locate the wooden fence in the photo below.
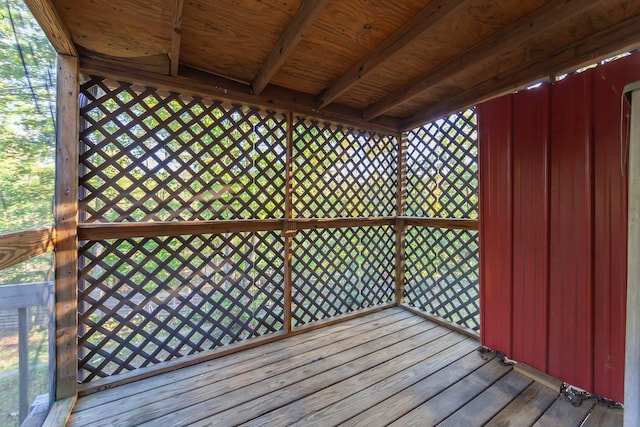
(204, 224)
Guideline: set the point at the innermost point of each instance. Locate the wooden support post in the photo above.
(289, 232)
(23, 363)
(400, 212)
(632, 363)
(66, 217)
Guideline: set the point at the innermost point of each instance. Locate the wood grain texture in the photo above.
(453, 223)
(60, 412)
(418, 25)
(201, 402)
(187, 361)
(384, 367)
(497, 44)
(490, 402)
(400, 224)
(306, 14)
(337, 403)
(52, 26)
(526, 408)
(104, 231)
(438, 397)
(66, 217)
(198, 83)
(20, 246)
(176, 37)
(561, 413)
(618, 38)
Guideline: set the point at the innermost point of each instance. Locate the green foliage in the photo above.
(27, 108)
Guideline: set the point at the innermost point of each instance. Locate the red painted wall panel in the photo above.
(553, 217)
(495, 209)
(571, 243)
(530, 226)
(610, 232)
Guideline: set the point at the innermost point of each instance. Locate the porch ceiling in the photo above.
(382, 61)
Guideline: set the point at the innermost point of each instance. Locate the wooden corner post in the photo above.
(66, 218)
(400, 212)
(288, 231)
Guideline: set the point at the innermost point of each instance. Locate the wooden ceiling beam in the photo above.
(509, 38)
(414, 28)
(176, 36)
(54, 28)
(303, 19)
(622, 37)
(195, 82)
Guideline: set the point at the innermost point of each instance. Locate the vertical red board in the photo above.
(530, 226)
(571, 235)
(610, 232)
(494, 152)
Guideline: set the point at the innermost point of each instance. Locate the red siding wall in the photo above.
(553, 220)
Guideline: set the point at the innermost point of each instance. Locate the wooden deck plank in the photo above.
(429, 404)
(386, 367)
(339, 402)
(526, 408)
(602, 416)
(244, 405)
(563, 414)
(267, 354)
(293, 367)
(412, 397)
(488, 403)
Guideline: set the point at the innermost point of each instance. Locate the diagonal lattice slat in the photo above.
(149, 155)
(340, 172)
(336, 271)
(441, 275)
(442, 168)
(147, 300)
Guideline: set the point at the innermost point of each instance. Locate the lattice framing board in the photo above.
(442, 168)
(339, 270)
(342, 172)
(150, 155)
(148, 300)
(441, 274)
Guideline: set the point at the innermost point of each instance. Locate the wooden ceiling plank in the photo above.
(176, 37)
(303, 19)
(53, 26)
(503, 41)
(415, 27)
(622, 37)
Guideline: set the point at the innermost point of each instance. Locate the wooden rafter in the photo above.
(303, 19)
(619, 38)
(52, 25)
(200, 83)
(176, 36)
(418, 25)
(499, 43)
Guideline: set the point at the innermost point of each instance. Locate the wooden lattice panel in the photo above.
(442, 168)
(341, 172)
(339, 270)
(441, 274)
(143, 301)
(149, 155)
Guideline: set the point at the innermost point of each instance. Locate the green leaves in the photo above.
(27, 109)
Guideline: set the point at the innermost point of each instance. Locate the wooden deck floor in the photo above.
(387, 368)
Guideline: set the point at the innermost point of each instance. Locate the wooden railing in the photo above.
(22, 298)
